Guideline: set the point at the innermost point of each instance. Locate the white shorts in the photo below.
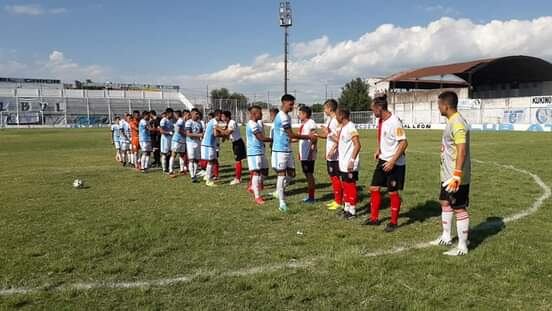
(178, 147)
(165, 146)
(124, 145)
(208, 153)
(257, 163)
(117, 145)
(282, 161)
(146, 146)
(193, 150)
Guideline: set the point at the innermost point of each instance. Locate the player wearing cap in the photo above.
(391, 163)
(455, 175)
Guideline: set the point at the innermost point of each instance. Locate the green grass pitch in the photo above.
(127, 227)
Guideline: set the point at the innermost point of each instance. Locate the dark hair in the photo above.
(227, 114)
(145, 113)
(178, 113)
(307, 110)
(153, 112)
(185, 111)
(217, 112)
(195, 109)
(254, 107)
(211, 114)
(117, 118)
(169, 110)
(332, 104)
(450, 98)
(288, 97)
(274, 110)
(344, 111)
(381, 101)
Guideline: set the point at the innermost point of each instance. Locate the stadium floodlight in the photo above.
(286, 21)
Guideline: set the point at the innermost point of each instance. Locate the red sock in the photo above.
(352, 193)
(238, 168)
(311, 193)
(202, 164)
(375, 204)
(337, 189)
(395, 207)
(216, 169)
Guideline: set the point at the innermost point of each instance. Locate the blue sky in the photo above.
(172, 40)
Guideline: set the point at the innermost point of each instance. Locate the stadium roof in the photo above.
(485, 71)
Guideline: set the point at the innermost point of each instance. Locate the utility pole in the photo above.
(286, 22)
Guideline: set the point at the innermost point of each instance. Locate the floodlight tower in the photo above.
(286, 22)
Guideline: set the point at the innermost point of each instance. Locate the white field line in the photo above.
(546, 193)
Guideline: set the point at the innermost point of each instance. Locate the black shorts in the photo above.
(308, 167)
(238, 147)
(333, 168)
(349, 177)
(457, 200)
(393, 180)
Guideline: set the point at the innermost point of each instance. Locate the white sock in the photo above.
(145, 162)
(255, 185)
(463, 228)
(191, 168)
(280, 188)
(131, 158)
(163, 164)
(209, 171)
(171, 164)
(196, 164)
(346, 207)
(182, 164)
(446, 219)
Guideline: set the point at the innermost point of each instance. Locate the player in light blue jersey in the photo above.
(115, 138)
(256, 159)
(209, 150)
(124, 139)
(282, 157)
(166, 129)
(144, 135)
(178, 146)
(194, 133)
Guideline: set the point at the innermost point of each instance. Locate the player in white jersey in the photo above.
(455, 175)
(232, 132)
(329, 132)
(178, 144)
(282, 156)
(308, 150)
(390, 169)
(144, 134)
(256, 159)
(348, 150)
(166, 129)
(115, 138)
(124, 139)
(194, 133)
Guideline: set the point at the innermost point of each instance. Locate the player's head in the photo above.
(136, 114)
(288, 102)
(379, 105)
(194, 114)
(448, 103)
(169, 113)
(146, 115)
(330, 106)
(163, 114)
(342, 114)
(186, 114)
(255, 112)
(273, 113)
(178, 114)
(226, 116)
(305, 112)
(153, 114)
(127, 116)
(210, 115)
(218, 114)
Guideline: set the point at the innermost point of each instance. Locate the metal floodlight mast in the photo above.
(286, 21)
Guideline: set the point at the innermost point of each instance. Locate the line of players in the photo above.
(184, 136)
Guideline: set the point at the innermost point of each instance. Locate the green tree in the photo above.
(354, 95)
(224, 93)
(317, 108)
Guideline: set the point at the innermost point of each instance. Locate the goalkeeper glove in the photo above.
(453, 183)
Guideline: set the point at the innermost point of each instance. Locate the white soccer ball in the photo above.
(77, 183)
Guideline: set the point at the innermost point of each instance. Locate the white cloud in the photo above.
(57, 66)
(32, 10)
(389, 49)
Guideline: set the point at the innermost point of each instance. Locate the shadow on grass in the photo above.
(490, 227)
(422, 212)
(305, 189)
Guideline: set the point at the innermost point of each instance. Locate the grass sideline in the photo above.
(133, 227)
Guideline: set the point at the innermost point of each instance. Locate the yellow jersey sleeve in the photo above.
(458, 133)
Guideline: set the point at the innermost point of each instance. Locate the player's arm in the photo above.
(260, 136)
(293, 135)
(191, 134)
(459, 137)
(112, 134)
(401, 148)
(356, 150)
